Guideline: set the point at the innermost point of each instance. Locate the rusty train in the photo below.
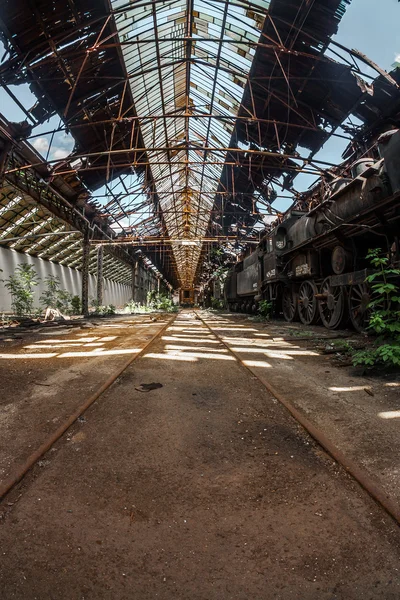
(312, 265)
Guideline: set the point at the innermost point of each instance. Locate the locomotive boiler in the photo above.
(312, 265)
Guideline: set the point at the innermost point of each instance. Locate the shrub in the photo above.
(157, 301)
(21, 286)
(76, 305)
(104, 310)
(384, 319)
(265, 309)
(217, 304)
(55, 297)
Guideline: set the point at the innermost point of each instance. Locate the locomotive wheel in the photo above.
(359, 299)
(332, 304)
(308, 304)
(289, 303)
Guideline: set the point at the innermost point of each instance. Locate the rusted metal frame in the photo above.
(321, 53)
(328, 41)
(311, 125)
(55, 204)
(284, 168)
(154, 240)
(85, 275)
(374, 66)
(56, 39)
(308, 5)
(92, 102)
(221, 150)
(100, 281)
(160, 82)
(286, 78)
(128, 6)
(143, 72)
(171, 116)
(269, 91)
(49, 38)
(188, 54)
(148, 175)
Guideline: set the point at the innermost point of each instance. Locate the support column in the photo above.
(85, 275)
(100, 281)
(134, 268)
(158, 285)
(4, 152)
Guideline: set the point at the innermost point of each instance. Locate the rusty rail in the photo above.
(23, 469)
(361, 477)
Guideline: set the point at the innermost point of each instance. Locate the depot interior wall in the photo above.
(145, 281)
(71, 280)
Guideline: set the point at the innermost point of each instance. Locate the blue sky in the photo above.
(368, 25)
(373, 27)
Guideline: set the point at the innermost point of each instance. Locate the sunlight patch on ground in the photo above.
(391, 414)
(257, 363)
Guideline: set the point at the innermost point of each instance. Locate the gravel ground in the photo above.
(204, 488)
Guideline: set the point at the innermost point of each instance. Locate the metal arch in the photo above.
(188, 84)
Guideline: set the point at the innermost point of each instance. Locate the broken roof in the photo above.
(206, 102)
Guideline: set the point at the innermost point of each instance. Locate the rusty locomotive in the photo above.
(312, 265)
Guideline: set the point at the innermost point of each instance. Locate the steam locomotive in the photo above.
(312, 265)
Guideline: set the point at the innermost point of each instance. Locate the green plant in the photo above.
(384, 318)
(217, 304)
(21, 286)
(55, 297)
(104, 310)
(76, 305)
(265, 308)
(158, 301)
(136, 307)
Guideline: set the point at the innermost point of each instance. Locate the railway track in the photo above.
(359, 474)
(19, 473)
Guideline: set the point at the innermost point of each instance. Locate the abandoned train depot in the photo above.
(199, 300)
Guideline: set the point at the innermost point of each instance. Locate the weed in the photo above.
(21, 286)
(384, 319)
(265, 309)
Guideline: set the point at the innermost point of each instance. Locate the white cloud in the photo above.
(41, 145)
(60, 153)
(397, 58)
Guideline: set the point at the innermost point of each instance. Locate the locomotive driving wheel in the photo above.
(359, 299)
(332, 304)
(308, 303)
(289, 303)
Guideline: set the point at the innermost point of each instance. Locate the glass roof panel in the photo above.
(190, 72)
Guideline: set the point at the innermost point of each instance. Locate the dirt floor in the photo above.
(47, 372)
(204, 488)
(359, 413)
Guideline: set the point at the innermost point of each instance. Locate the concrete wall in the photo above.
(114, 293)
(145, 281)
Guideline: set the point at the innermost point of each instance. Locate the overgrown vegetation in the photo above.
(76, 305)
(158, 301)
(136, 307)
(21, 286)
(217, 304)
(155, 301)
(384, 319)
(265, 309)
(55, 297)
(102, 310)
